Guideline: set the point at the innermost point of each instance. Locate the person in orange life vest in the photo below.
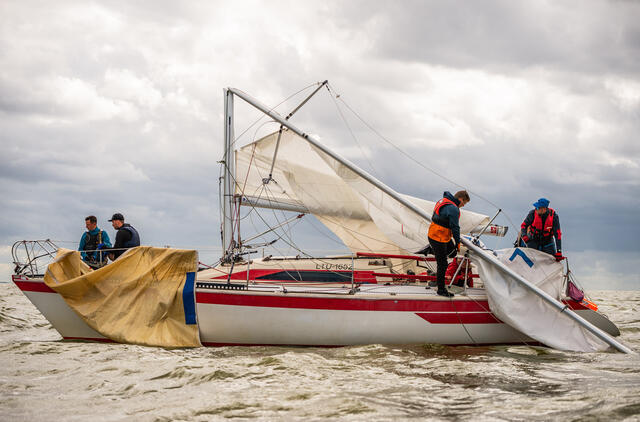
(444, 233)
(541, 230)
(459, 281)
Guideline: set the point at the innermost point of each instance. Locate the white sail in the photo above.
(516, 306)
(359, 213)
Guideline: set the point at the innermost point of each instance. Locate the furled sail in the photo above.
(364, 217)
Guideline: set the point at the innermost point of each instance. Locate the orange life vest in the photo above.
(436, 231)
(542, 229)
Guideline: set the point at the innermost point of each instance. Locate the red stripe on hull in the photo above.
(460, 318)
(342, 304)
(33, 286)
(210, 344)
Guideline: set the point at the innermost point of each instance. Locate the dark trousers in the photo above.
(546, 246)
(441, 250)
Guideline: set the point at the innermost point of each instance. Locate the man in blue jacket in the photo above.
(444, 233)
(93, 242)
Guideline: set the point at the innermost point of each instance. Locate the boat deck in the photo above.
(368, 290)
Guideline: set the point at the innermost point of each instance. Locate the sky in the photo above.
(117, 107)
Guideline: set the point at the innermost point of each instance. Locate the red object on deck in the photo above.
(459, 281)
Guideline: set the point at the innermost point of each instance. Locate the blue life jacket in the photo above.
(135, 237)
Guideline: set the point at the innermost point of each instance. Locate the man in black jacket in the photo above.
(126, 236)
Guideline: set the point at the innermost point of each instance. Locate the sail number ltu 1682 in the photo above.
(326, 266)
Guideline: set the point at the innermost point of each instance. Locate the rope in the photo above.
(462, 323)
(333, 221)
(346, 123)
(289, 241)
(224, 166)
(246, 178)
(266, 191)
(489, 310)
(271, 109)
(269, 196)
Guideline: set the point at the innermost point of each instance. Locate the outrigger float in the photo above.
(377, 294)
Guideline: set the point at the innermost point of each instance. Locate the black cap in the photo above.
(117, 216)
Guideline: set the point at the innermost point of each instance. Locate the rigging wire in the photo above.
(328, 218)
(460, 321)
(346, 123)
(287, 270)
(290, 240)
(296, 248)
(332, 94)
(266, 191)
(286, 237)
(385, 139)
(272, 109)
(280, 237)
(224, 167)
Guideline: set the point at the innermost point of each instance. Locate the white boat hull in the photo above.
(307, 316)
(244, 325)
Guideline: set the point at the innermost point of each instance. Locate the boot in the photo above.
(442, 291)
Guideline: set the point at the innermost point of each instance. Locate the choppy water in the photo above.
(44, 379)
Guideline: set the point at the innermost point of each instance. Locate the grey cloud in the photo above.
(507, 35)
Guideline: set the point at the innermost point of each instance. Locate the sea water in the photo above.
(45, 379)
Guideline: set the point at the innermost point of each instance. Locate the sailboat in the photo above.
(378, 293)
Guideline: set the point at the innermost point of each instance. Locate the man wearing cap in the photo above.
(541, 228)
(126, 236)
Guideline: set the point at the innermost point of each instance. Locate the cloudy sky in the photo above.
(117, 107)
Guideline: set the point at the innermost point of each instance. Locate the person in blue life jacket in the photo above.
(126, 236)
(444, 234)
(93, 243)
(541, 230)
